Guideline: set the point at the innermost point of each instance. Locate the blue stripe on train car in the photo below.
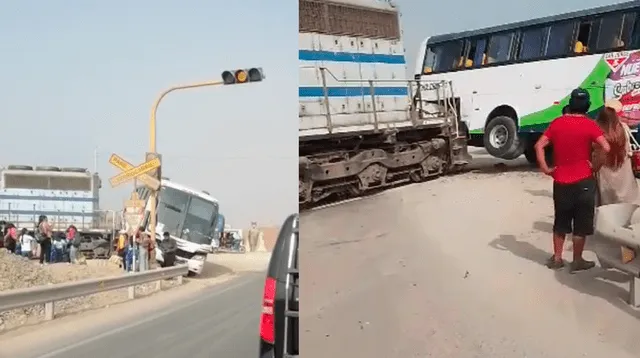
(328, 56)
(351, 91)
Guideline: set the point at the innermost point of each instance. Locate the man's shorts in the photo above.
(574, 207)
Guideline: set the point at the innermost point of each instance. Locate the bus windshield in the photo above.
(186, 216)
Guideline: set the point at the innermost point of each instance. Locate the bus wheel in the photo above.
(530, 154)
(501, 137)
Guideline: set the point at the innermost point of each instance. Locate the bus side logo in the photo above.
(616, 59)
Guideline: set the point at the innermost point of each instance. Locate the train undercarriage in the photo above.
(341, 165)
(356, 166)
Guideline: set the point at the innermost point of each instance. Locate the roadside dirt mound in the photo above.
(19, 272)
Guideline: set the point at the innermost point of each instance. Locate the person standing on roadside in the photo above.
(10, 238)
(169, 247)
(253, 235)
(143, 250)
(121, 248)
(44, 234)
(574, 187)
(26, 243)
(130, 255)
(616, 181)
(75, 239)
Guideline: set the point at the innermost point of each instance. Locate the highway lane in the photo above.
(221, 322)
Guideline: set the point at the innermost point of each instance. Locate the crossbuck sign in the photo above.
(129, 172)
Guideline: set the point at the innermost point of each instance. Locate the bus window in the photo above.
(587, 33)
(610, 33)
(627, 27)
(429, 62)
(481, 53)
(531, 44)
(477, 50)
(499, 48)
(447, 55)
(560, 38)
(635, 36)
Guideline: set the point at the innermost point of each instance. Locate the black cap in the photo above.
(166, 234)
(579, 101)
(580, 94)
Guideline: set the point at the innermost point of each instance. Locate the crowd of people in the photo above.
(591, 167)
(43, 244)
(136, 250)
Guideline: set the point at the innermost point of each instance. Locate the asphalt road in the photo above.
(221, 322)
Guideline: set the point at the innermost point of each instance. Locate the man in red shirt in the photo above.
(574, 186)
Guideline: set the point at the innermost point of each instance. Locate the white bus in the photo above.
(513, 80)
(189, 216)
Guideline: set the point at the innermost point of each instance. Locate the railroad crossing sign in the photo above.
(133, 212)
(129, 172)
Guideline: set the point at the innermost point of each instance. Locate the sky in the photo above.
(424, 18)
(81, 75)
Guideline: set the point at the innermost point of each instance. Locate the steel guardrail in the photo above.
(47, 295)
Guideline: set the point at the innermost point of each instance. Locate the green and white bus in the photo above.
(513, 80)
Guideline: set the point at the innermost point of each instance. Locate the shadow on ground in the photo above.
(543, 226)
(542, 193)
(595, 282)
(484, 164)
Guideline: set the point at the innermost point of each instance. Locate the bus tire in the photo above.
(532, 158)
(501, 138)
(548, 155)
(516, 152)
(530, 154)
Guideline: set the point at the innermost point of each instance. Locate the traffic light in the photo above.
(242, 76)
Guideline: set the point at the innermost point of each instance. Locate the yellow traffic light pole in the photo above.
(154, 109)
(228, 78)
(152, 148)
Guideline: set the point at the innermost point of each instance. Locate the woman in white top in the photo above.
(26, 243)
(616, 181)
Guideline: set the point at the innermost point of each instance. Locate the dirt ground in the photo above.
(454, 267)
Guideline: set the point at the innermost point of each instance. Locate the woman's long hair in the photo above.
(616, 135)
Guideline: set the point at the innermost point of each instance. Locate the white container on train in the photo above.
(68, 196)
(349, 63)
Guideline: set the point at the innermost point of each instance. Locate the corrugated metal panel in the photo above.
(370, 19)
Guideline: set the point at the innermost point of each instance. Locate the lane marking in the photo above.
(141, 322)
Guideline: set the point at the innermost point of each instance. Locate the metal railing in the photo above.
(47, 295)
(426, 100)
